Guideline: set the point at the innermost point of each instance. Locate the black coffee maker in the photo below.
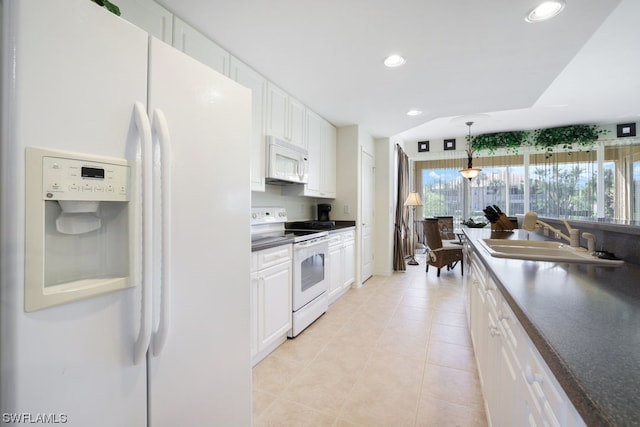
(323, 211)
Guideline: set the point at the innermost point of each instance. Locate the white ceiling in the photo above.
(466, 59)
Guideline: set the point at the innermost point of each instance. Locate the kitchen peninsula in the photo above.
(582, 320)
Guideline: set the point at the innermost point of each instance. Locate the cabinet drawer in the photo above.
(478, 275)
(494, 297)
(348, 236)
(274, 256)
(542, 387)
(335, 240)
(511, 331)
(254, 262)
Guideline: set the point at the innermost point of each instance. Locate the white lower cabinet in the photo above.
(349, 258)
(341, 268)
(334, 265)
(270, 300)
(518, 386)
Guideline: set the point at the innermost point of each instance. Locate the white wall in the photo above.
(345, 205)
(298, 208)
(384, 206)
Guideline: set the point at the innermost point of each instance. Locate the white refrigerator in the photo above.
(78, 78)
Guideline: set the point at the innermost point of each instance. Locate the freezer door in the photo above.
(202, 376)
(77, 71)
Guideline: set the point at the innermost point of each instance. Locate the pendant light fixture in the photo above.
(469, 172)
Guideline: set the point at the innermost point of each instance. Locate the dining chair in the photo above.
(438, 255)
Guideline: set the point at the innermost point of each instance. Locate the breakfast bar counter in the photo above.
(584, 321)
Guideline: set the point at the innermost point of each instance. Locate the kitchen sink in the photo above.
(536, 250)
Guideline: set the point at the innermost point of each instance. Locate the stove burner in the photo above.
(313, 225)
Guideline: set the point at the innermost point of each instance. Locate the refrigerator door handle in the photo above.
(161, 129)
(144, 130)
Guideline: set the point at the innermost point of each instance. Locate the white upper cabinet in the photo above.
(196, 45)
(314, 145)
(297, 126)
(321, 143)
(285, 116)
(274, 111)
(249, 78)
(149, 16)
(277, 111)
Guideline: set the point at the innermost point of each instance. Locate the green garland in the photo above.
(491, 142)
(566, 137)
(109, 6)
(547, 140)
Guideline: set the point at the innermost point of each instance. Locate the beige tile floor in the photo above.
(396, 352)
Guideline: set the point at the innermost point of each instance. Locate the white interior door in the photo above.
(368, 181)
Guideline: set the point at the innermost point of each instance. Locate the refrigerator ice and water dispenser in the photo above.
(79, 227)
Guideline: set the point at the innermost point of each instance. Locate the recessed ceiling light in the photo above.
(394, 61)
(414, 112)
(545, 10)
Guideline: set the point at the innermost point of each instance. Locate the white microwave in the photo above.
(286, 163)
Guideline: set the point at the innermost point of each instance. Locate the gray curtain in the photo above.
(401, 226)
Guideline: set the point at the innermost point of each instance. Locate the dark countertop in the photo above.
(268, 243)
(584, 321)
(339, 225)
(343, 226)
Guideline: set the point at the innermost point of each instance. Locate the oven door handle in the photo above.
(313, 242)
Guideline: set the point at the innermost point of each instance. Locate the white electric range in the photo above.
(310, 256)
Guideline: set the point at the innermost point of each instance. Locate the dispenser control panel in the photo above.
(78, 179)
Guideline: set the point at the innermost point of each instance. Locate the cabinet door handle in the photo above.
(494, 331)
(274, 257)
(533, 377)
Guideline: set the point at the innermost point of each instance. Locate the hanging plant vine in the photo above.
(491, 142)
(109, 6)
(566, 138)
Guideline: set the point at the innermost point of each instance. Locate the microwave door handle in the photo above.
(302, 168)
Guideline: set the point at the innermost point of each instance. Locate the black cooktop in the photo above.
(312, 225)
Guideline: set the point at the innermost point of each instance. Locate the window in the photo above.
(622, 197)
(565, 185)
(441, 192)
(603, 183)
(498, 185)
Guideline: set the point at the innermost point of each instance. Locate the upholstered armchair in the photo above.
(446, 227)
(438, 255)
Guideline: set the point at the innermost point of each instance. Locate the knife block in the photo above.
(502, 224)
